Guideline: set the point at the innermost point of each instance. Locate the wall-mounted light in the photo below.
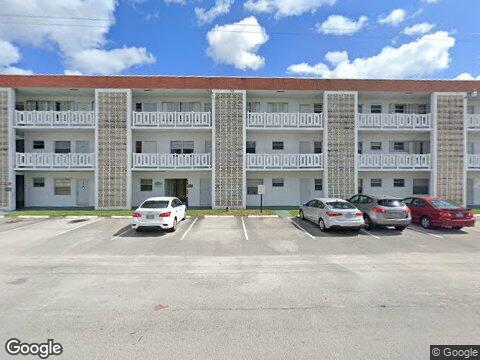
(147, 90)
(73, 89)
(474, 93)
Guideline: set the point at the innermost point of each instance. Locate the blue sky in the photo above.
(274, 37)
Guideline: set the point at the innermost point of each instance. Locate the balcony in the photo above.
(284, 161)
(172, 161)
(57, 119)
(473, 121)
(473, 162)
(51, 161)
(394, 162)
(284, 120)
(395, 121)
(171, 120)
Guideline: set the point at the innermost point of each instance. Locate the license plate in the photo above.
(349, 215)
(150, 217)
(459, 215)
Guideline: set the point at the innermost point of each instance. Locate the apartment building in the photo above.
(110, 142)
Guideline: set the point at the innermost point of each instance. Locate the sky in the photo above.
(396, 39)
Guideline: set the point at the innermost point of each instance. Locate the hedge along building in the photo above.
(110, 142)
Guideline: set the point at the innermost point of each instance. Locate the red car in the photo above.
(429, 212)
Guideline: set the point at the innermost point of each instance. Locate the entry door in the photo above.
(82, 192)
(470, 192)
(205, 192)
(305, 147)
(208, 147)
(82, 146)
(305, 185)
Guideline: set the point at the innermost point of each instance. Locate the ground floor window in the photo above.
(39, 182)
(62, 187)
(146, 184)
(375, 182)
(277, 182)
(252, 186)
(421, 186)
(318, 184)
(398, 182)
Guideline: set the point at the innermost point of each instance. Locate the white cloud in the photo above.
(10, 55)
(423, 56)
(109, 61)
(341, 25)
(221, 7)
(283, 8)
(71, 28)
(236, 44)
(394, 18)
(429, 1)
(418, 29)
(467, 76)
(181, 2)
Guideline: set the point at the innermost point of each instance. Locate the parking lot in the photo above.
(232, 286)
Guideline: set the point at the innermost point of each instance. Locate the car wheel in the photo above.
(174, 227)
(400, 228)
(301, 215)
(457, 228)
(425, 222)
(322, 226)
(368, 223)
(184, 216)
(138, 229)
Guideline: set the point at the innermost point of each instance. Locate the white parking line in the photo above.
(122, 233)
(245, 230)
(369, 233)
(79, 226)
(191, 225)
(301, 228)
(421, 231)
(477, 230)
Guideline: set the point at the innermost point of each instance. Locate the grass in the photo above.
(476, 210)
(108, 213)
(293, 212)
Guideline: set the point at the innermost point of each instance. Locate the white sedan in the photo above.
(332, 213)
(163, 212)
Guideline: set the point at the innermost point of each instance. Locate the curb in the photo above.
(263, 216)
(219, 216)
(120, 217)
(33, 216)
(81, 217)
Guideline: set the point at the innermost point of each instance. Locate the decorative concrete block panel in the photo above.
(341, 140)
(112, 133)
(450, 147)
(4, 146)
(229, 149)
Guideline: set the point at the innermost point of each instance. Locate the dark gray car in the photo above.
(382, 210)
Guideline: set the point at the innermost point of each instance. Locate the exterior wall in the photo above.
(163, 138)
(51, 136)
(341, 137)
(473, 188)
(474, 138)
(45, 197)
(112, 133)
(450, 145)
(193, 179)
(290, 194)
(291, 140)
(365, 102)
(228, 181)
(387, 182)
(385, 137)
(293, 103)
(7, 179)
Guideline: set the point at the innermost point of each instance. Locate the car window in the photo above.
(320, 205)
(155, 204)
(354, 199)
(315, 203)
(391, 202)
(340, 205)
(363, 200)
(408, 201)
(444, 204)
(310, 203)
(418, 203)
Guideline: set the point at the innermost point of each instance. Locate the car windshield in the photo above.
(340, 205)
(444, 204)
(155, 204)
(391, 203)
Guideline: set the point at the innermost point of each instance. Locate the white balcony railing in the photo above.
(473, 121)
(172, 119)
(172, 161)
(394, 121)
(54, 161)
(473, 161)
(284, 161)
(284, 120)
(55, 118)
(394, 161)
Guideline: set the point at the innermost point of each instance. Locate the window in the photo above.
(138, 107)
(251, 147)
(391, 202)
(62, 147)
(318, 184)
(253, 106)
(38, 144)
(176, 106)
(375, 145)
(305, 108)
(340, 205)
(19, 106)
(252, 186)
(277, 107)
(418, 203)
(146, 184)
(470, 109)
(181, 147)
(277, 182)
(317, 147)
(375, 109)
(408, 201)
(444, 204)
(138, 147)
(38, 182)
(62, 187)
(207, 107)
(399, 108)
(155, 204)
(277, 145)
(398, 182)
(317, 108)
(360, 186)
(375, 182)
(399, 146)
(422, 108)
(360, 147)
(149, 107)
(360, 108)
(421, 186)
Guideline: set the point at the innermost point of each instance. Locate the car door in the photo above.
(418, 209)
(315, 212)
(307, 209)
(361, 203)
(410, 205)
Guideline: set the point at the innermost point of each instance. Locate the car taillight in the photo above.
(136, 214)
(378, 210)
(359, 213)
(165, 214)
(333, 213)
(407, 210)
(445, 214)
(469, 214)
